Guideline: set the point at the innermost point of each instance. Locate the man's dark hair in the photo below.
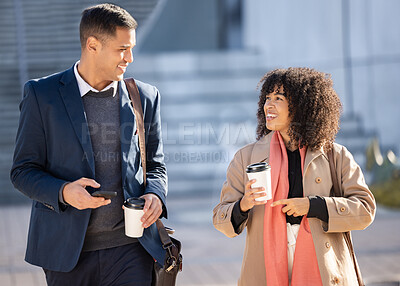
(314, 106)
(101, 21)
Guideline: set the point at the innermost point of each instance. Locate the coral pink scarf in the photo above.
(305, 265)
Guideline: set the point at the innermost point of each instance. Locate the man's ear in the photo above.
(92, 44)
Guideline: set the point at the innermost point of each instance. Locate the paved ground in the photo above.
(209, 257)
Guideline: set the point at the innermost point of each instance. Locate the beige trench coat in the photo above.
(355, 211)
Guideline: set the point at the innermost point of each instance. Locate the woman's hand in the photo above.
(248, 201)
(294, 206)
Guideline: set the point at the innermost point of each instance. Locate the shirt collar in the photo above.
(84, 87)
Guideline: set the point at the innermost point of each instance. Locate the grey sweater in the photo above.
(106, 226)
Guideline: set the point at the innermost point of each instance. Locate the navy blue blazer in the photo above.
(53, 147)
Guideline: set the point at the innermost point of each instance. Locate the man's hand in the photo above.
(75, 194)
(294, 206)
(248, 201)
(152, 209)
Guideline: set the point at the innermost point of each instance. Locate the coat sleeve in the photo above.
(156, 170)
(232, 191)
(356, 209)
(28, 172)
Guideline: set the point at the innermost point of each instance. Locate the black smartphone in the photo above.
(105, 194)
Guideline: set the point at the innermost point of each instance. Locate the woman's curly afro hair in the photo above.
(314, 106)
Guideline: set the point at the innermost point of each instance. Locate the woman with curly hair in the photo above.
(296, 238)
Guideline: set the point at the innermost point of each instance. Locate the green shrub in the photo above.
(387, 193)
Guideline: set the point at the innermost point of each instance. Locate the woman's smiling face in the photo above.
(276, 109)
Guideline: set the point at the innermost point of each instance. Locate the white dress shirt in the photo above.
(84, 87)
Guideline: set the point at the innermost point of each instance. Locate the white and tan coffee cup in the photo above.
(133, 212)
(262, 173)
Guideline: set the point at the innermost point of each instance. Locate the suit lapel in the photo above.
(70, 94)
(128, 126)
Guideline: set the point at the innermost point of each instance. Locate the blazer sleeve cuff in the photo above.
(160, 192)
(51, 199)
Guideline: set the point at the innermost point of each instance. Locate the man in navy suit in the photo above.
(77, 134)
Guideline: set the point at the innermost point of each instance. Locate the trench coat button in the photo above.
(342, 209)
(327, 244)
(318, 180)
(336, 280)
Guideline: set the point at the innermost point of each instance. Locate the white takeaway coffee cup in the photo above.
(133, 212)
(262, 173)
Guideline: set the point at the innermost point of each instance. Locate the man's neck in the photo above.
(87, 74)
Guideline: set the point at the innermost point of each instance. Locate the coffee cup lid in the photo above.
(257, 167)
(134, 203)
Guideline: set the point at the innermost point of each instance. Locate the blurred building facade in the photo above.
(207, 57)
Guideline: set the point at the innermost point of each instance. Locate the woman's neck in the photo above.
(290, 145)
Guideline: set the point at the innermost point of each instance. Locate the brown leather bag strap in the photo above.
(337, 192)
(134, 95)
(166, 241)
(164, 237)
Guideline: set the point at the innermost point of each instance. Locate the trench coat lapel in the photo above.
(71, 97)
(261, 149)
(310, 156)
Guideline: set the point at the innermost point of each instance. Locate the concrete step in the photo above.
(195, 170)
(13, 90)
(351, 125)
(10, 84)
(45, 63)
(9, 102)
(209, 112)
(7, 58)
(9, 195)
(6, 155)
(9, 126)
(207, 64)
(6, 5)
(8, 137)
(38, 31)
(7, 15)
(5, 173)
(9, 117)
(9, 109)
(9, 36)
(181, 188)
(354, 144)
(7, 141)
(211, 98)
(209, 86)
(52, 35)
